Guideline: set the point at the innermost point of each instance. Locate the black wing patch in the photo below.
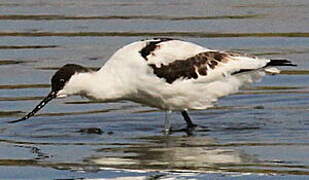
(242, 71)
(187, 69)
(151, 46)
(272, 62)
(279, 62)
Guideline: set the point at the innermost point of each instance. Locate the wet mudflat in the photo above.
(260, 132)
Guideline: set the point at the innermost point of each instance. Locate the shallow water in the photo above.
(261, 131)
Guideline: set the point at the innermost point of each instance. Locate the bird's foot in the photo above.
(190, 129)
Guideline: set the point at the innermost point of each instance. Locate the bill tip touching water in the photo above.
(169, 74)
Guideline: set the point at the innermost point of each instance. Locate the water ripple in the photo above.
(128, 17)
(151, 34)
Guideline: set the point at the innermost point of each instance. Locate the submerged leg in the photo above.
(190, 125)
(167, 122)
(187, 119)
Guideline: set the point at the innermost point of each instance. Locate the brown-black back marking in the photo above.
(151, 46)
(186, 69)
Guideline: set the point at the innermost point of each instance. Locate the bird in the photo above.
(165, 73)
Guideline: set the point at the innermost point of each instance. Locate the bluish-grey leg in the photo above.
(190, 125)
(167, 122)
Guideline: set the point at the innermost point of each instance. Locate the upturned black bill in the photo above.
(48, 98)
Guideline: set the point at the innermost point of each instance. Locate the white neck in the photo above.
(101, 85)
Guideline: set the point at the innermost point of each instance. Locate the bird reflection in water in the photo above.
(191, 153)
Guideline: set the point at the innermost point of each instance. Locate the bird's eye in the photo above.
(61, 80)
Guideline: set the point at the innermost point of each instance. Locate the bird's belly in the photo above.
(173, 102)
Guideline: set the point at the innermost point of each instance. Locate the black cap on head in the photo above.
(63, 75)
(60, 78)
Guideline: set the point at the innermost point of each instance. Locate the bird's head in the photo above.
(60, 86)
(60, 82)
